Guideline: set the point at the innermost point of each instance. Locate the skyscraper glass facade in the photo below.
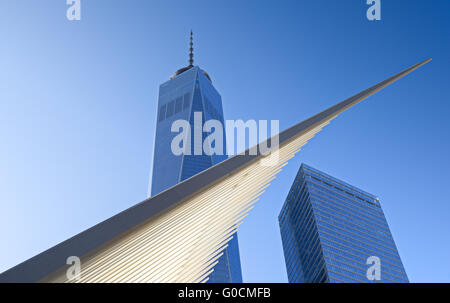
(179, 98)
(329, 229)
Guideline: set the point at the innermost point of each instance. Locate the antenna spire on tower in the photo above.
(191, 53)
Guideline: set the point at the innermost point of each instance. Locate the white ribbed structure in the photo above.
(178, 235)
(183, 245)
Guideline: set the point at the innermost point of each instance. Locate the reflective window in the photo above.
(178, 105)
(187, 100)
(170, 109)
(162, 112)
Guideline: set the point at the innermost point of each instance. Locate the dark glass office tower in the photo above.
(188, 91)
(329, 229)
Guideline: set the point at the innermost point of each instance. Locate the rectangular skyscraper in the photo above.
(190, 90)
(330, 229)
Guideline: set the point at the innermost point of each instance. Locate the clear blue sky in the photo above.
(78, 103)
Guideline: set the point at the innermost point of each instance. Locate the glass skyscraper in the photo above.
(330, 229)
(188, 91)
